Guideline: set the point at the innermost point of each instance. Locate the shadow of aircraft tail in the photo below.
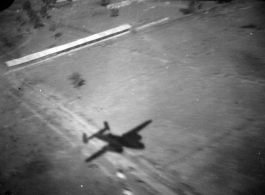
(85, 138)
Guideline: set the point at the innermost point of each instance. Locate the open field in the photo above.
(200, 79)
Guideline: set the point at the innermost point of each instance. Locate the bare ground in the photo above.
(200, 79)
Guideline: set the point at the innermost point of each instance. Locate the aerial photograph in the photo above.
(132, 97)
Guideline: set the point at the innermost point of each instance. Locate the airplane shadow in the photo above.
(116, 143)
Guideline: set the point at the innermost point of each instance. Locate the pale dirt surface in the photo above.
(200, 79)
(36, 159)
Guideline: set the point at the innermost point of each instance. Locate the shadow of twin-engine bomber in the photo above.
(116, 143)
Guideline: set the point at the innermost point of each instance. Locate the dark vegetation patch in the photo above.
(252, 165)
(6, 42)
(9, 43)
(36, 167)
(57, 35)
(251, 26)
(37, 17)
(76, 80)
(250, 64)
(12, 33)
(54, 26)
(224, 1)
(33, 15)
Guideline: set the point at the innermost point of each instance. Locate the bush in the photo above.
(49, 3)
(44, 11)
(33, 16)
(27, 6)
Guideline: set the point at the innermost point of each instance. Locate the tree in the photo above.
(49, 3)
(33, 16)
(44, 11)
(27, 6)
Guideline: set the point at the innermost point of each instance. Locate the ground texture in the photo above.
(200, 79)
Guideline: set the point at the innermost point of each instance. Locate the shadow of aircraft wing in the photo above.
(97, 154)
(133, 132)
